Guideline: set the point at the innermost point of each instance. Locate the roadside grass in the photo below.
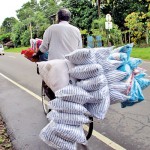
(143, 53)
(16, 50)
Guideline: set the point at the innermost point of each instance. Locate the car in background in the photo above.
(1, 50)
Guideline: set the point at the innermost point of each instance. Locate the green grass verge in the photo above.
(143, 53)
(16, 50)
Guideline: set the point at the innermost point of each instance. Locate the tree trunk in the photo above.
(125, 38)
(147, 42)
(98, 3)
(30, 30)
(129, 36)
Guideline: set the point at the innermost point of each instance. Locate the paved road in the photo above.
(22, 111)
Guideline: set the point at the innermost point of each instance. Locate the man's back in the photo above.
(61, 39)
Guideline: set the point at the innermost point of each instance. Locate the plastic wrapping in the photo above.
(81, 57)
(66, 118)
(119, 56)
(135, 94)
(67, 107)
(115, 76)
(74, 94)
(121, 87)
(93, 84)
(99, 110)
(86, 71)
(134, 62)
(49, 135)
(143, 82)
(125, 68)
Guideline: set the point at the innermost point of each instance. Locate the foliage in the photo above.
(33, 20)
(25, 38)
(83, 13)
(17, 30)
(5, 38)
(98, 28)
(138, 25)
(8, 24)
(48, 7)
(119, 9)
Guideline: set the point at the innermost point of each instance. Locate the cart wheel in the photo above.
(88, 128)
(47, 95)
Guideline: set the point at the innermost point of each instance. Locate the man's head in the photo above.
(63, 15)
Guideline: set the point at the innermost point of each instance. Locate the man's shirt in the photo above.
(61, 39)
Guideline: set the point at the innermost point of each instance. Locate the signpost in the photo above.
(108, 25)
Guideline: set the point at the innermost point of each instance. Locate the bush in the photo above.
(9, 44)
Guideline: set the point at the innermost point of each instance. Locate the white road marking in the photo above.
(12, 56)
(99, 136)
(21, 87)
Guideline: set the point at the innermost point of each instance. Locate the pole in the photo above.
(30, 30)
(98, 3)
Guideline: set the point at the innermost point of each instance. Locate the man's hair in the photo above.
(64, 15)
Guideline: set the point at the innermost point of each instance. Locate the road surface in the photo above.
(20, 105)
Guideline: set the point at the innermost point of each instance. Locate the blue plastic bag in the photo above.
(134, 62)
(143, 82)
(125, 49)
(125, 68)
(135, 94)
(118, 56)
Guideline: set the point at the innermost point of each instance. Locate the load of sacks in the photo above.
(101, 77)
(136, 75)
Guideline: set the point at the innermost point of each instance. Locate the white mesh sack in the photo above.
(107, 66)
(115, 76)
(102, 53)
(121, 87)
(71, 133)
(67, 107)
(74, 94)
(65, 118)
(81, 57)
(116, 63)
(93, 84)
(99, 110)
(116, 97)
(86, 71)
(50, 73)
(49, 135)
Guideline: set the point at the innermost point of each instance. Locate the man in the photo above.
(62, 38)
(58, 40)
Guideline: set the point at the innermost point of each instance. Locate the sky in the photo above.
(8, 8)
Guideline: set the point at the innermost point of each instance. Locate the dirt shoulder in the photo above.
(5, 143)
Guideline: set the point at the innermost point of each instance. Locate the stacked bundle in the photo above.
(101, 79)
(135, 75)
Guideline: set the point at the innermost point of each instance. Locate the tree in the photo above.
(98, 28)
(99, 2)
(83, 13)
(137, 25)
(8, 24)
(17, 31)
(49, 7)
(119, 9)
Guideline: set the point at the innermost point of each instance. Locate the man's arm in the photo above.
(46, 41)
(45, 44)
